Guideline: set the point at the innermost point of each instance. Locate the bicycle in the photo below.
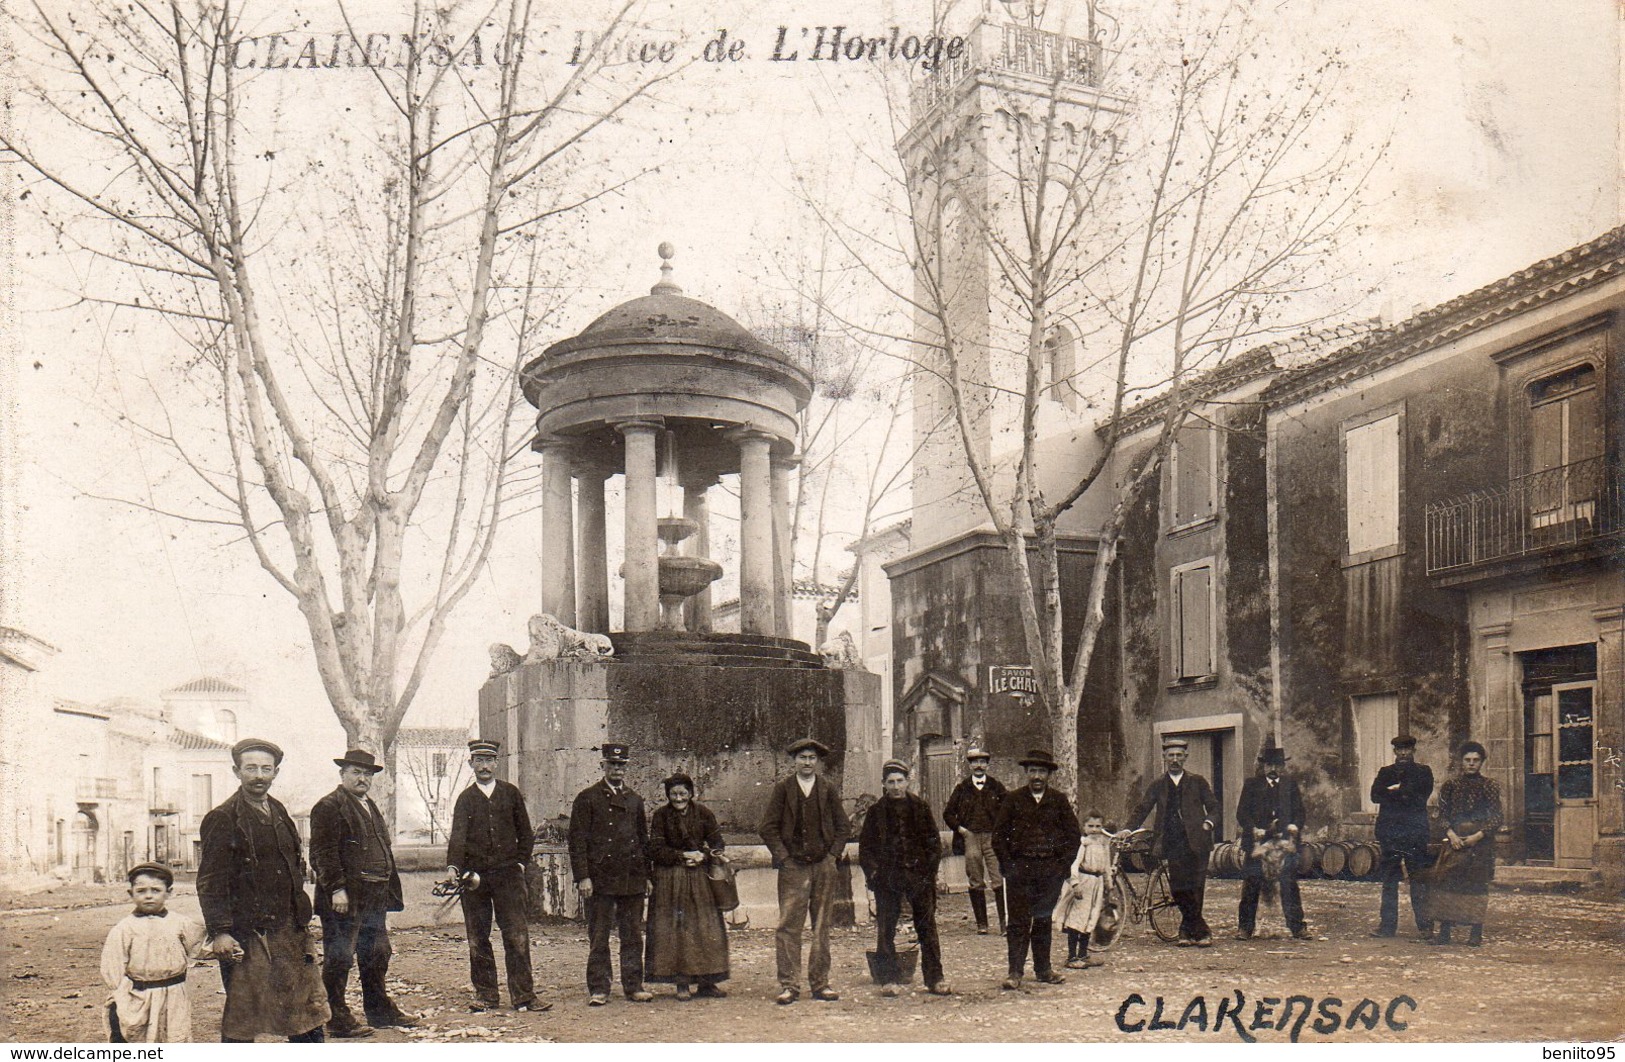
(1155, 903)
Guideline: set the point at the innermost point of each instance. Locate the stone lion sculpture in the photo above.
(552, 640)
(841, 653)
(504, 658)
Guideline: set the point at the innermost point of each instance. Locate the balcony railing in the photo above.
(1565, 506)
(95, 789)
(167, 802)
(1014, 49)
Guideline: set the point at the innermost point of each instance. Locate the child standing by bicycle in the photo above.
(1086, 891)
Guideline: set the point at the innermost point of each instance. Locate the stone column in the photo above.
(756, 565)
(697, 507)
(558, 532)
(641, 607)
(592, 565)
(783, 548)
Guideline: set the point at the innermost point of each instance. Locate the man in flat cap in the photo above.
(969, 813)
(805, 828)
(1401, 792)
(357, 885)
(1270, 812)
(251, 886)
(609, 838)
(1036, 838)
(1186, 809)
(489, 850)
(898, 851)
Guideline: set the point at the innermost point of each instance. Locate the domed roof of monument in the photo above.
(667, 316)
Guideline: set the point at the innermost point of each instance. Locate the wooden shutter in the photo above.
(1371, 454)
(1195, 633)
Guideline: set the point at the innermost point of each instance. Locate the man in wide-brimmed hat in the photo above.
(1036, 838)
(970, 812)
(805, 828)
(1270, 814)
(489, 851)
(357, 886)
(1186, 810)
(1400, 791)
(251, 886)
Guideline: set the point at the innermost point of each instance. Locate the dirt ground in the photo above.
(1551, 970)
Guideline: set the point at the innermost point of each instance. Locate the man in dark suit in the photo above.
(971, 809)
(898, 851)
(356, 887)
(1036, 838)
(609, 836)
(1270, 809)
(806, 829)
(490, 851)
(251, 886)
(1401, 792)
(1185, 808)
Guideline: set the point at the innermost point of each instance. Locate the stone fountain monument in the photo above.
(668, 387)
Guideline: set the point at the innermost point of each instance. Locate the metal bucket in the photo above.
(908, 957)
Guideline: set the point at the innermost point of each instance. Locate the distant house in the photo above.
(431, 768)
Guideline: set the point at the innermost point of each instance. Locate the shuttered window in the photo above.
(1194, 475)
(1192, 613)
(1371, 456)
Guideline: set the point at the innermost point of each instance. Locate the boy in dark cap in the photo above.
(144, 963)
(898, 851)
(356, 886)
(1400, 791)
(609, 838)
(251, 886)
(489, 850)
(805, 829)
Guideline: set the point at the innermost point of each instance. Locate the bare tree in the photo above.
(437, 778)
(348, 276)
(1093, 247)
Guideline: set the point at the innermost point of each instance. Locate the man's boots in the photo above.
(998, 899)
(978, 906)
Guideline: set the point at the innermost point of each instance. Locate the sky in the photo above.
(1505, 125)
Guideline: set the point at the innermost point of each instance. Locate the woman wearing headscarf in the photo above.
(1459, 890)
(687, 940)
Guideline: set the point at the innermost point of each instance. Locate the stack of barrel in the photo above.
(1349, 860)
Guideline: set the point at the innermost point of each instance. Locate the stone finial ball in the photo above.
(667, 251)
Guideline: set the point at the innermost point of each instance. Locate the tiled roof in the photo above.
(207, 684)
(187, 740)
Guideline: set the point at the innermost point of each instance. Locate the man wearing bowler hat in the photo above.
(357, 885)
(1036, 838)
(251, 886)
(489, 851)
(1401, 792)
(1185, 808)
(805, 829)
(969, 813)
(1270, 810)
(609, 838)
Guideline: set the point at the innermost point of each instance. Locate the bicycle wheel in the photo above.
(1113, 913)
(1165, 914)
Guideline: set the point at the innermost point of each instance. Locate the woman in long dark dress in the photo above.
(1470, 806)
(687, 939)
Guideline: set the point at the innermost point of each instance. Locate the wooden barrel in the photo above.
(1309, 859)
(1233, 859)
(1215, 861)
(1334, 859)
(1362, 860)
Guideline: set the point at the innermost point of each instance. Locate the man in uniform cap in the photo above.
(356, 886)
(609, 838)
(1036, 838)
(251, 886)
(1270, 809)
(1401, 792)
(805, 828)
(970, 812)
(489, 849)
(1186, 809)
(898, 851)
